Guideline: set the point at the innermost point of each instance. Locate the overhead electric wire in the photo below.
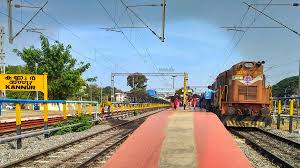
(233, 37)
(57, 21)
(137, 16)
(148, 54)
(77, 36)
(243, 34)
(121, 31)
(49, 37)
(275, 20)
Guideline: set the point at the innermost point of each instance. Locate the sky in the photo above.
(195, 42)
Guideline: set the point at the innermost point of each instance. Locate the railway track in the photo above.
(281, 151)
(83, 151)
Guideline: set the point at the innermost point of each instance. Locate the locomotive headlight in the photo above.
(260, 63)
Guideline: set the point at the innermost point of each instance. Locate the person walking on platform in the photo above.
(208, 96)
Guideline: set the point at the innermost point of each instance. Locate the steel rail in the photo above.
(280, 138)
(61, 162)
(106, 150)
(36, 133)
(263, 150)
(53, 149)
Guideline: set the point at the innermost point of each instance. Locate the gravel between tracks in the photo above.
(255, 158)
(39, 143)
(291, 136)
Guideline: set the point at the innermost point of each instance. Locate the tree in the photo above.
(287, 86)
(180, 91)
(137, 80)
(64, 72)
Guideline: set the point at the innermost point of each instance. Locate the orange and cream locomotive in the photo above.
(242, 94)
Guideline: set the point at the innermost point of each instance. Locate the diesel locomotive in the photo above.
(242, 98)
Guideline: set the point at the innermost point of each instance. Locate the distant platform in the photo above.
(179, 139)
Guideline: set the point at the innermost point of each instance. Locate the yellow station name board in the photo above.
(24, 82)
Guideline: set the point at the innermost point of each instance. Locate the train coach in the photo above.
(242, 98)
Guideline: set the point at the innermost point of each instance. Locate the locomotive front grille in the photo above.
(247, 93)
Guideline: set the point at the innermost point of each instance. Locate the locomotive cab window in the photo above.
(248, 65)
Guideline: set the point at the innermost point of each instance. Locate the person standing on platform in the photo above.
(195, 102)
(176, 102)
(108, 104)
(201, 101)
(208, 96)
(189, 101)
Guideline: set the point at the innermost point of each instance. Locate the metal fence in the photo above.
(286, 108)
(65, 109)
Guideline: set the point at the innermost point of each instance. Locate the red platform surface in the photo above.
(142, 148)
(214, 145)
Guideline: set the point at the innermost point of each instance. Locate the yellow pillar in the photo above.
(279, 107)
(65, 111)
(18, 114)
(90, 109)
(79, 110)
(119, 107)
(99, 108)
(45, 112)
(18, 124)
(292, 107)
(45, 91)
(112, 108)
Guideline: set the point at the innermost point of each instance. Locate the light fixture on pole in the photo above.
(279, 4)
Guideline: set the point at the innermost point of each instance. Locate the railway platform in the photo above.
(179, 139)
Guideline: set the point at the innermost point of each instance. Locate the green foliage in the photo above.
(64, 72)
(85, 124)
(94, 91)
(138, 93)
(139, 80)
(287, 86)
(180, 91)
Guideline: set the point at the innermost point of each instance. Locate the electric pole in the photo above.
(163, 20)
(10, 33)
(2, 56)
(133, 81)
(184, 89)
(36, 92)
(299, 80)
(173, 81)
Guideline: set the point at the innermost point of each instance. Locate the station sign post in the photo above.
(25, 82)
